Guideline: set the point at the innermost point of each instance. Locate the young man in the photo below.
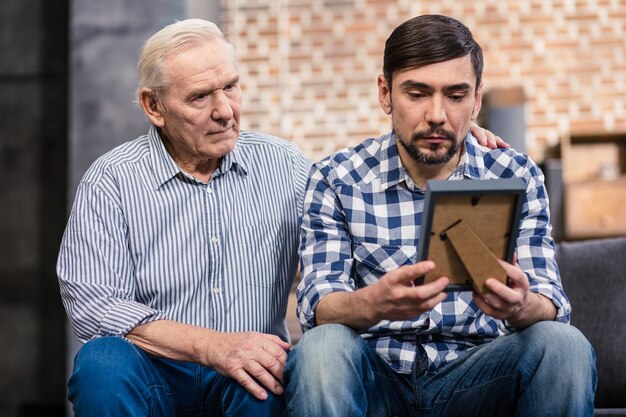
(374, 344)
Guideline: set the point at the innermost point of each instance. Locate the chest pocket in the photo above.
(373, 260)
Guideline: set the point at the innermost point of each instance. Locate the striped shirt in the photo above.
(362, 216)
(146, 241)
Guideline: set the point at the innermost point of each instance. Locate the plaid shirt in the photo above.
(362, 216)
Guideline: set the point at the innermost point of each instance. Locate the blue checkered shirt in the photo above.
(362, 216)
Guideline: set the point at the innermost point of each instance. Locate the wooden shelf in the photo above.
(595, 208)
(594, 181)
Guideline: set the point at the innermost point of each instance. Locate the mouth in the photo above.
(436, 136)
(219, 132)
(435, 139)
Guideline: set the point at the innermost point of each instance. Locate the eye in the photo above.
(200, 97)
(415, 95)
(231, 88)
(457, 97)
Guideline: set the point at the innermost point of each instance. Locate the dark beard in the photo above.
(428, 159)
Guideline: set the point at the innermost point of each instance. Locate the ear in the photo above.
(384, 94)
(478, 101)
(151, 106)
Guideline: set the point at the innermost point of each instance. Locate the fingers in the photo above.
(432, 293)
(517, 277)
(482, 304)
(479, 133)
(281, 345)
(256, 361)
(487, 138)
(245, 380)
(429, 295)
(409, 273)
(268, 371)
(500, 143)
(274, 358)
(502, 301)
(433, 288)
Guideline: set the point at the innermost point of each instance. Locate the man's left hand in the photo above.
(514, 302)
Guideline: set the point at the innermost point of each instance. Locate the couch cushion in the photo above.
(594, 277)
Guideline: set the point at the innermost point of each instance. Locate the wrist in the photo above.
(538, 308)
(351, 308)
(203, 347)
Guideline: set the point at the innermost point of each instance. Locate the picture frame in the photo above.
(467, 225)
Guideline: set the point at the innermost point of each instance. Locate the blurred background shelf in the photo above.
(594, 185)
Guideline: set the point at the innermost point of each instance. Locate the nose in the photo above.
(222, 109)
(436, 113)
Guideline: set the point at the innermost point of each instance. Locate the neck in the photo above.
(199, 168)
(202, 170)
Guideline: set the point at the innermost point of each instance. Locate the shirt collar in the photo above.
(392, 172)
(165, 168)
(472, 162)
(163, 165)
(236, 160)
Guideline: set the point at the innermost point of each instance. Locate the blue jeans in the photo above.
(112, 377)
(545, 370)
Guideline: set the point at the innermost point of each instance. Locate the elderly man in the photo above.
(180, 250)
(181, 247)
(374, 343)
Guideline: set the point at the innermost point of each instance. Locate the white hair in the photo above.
(176, 37)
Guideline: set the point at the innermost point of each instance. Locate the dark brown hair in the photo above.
(430, 39)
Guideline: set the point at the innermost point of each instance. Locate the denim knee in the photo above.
(563, 339)
(325, 341)
(326, 373)
(563, 350)
(102, 365)
(325, 352)
(104, 357)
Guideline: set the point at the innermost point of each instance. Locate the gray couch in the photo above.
(594, 277)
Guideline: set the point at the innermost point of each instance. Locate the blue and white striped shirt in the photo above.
(362, 217)
(146, 241)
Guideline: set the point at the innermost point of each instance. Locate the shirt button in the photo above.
(216, 290)
(209, 190)
(214, 239)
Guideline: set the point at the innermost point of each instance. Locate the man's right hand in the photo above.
(255, 360)
(251, 359)
(393, 297)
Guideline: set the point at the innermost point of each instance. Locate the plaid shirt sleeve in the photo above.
(535, 246)
(325, 247)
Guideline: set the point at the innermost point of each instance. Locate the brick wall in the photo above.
(309, 67)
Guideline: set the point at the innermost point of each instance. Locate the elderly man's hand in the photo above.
(255, 360)
(487, 138)
(251, 359)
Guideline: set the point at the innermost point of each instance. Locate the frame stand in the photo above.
(476, 257)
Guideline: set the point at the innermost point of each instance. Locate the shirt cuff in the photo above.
(308, 304)
(563, 308)
(125, 316)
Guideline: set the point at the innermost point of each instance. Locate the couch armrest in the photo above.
(594, 277)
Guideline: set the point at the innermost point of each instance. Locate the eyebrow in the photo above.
(207, 91)
(411, 84)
